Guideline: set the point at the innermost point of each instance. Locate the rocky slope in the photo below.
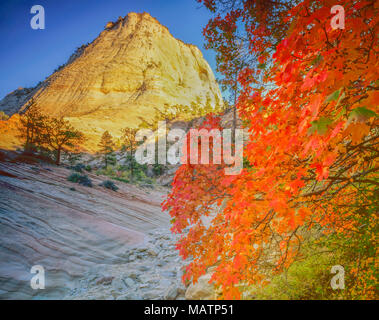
(150, 271)
(92, 242)
(134, 66)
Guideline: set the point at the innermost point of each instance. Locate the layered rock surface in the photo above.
(151, 271)
(89, 240)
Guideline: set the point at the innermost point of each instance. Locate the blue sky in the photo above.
(28, 56)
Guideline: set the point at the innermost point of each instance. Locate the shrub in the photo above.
(111, 159)
(3, 116)
(109, 185)
(107, 171)
(78, 167)
(74, 177)
(73, 157)
(139, 175)
(158, 169)
(122, 180)
(81, 179)
(306, 279)
(122, 173)
(85, 181)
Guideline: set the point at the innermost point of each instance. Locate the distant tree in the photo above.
(167, 114)
(129, 139)
(74, 156)
(59, 133)
(44, 134)
(32, 129)
(106, 146)
(171, 113)
(229, 81)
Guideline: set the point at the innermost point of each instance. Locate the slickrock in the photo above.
(142, 275)
(94, 243)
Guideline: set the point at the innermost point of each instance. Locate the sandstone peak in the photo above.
(133, 67)
(132, 18)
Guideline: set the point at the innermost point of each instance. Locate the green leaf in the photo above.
(261, 66)
(340, 98)
(361, 114)
(320, 126)
(333, 96)
(341, 113)
(316, 60)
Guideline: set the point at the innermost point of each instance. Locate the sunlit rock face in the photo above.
(132, 67)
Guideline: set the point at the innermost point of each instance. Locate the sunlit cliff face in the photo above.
(134, 66)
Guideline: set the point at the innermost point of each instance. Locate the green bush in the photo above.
(158, 169)
(81, 179)
(109, 185)
(73, 157)
(122, 173)
(111, 159)
(109, 171)
(78, 167)
(122, 180)
(74, 177)
(114, 172)
(306, 279)
(3, 116)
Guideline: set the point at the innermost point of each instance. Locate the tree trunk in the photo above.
(58, 157)
(131, 166)
(27, 143)
(235, 107)
(234, 115)
(131, 162)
